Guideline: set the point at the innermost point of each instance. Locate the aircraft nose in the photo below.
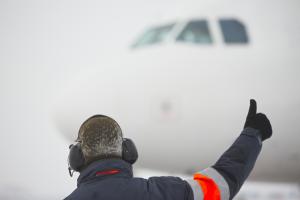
(86, 94)
(166, 108)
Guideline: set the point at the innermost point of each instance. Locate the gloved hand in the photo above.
(258, 121)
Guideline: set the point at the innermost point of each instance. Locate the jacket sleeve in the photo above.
(224, 179)
(169, 188)
(238, 161)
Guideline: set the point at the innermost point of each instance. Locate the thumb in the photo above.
(252, 109)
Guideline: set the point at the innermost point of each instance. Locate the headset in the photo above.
(76, 160)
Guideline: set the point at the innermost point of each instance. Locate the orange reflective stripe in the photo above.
(209, 187)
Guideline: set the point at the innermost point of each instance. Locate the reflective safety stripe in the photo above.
(219, 182)
(198, 195)
(209, 184)
(209, 188)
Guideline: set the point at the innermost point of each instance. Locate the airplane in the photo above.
(181, 90)
(177, 76)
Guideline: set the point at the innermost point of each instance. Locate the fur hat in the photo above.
(100, 137)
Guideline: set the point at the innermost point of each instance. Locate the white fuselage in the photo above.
(184, 104)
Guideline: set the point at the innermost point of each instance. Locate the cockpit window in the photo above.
(196, 32)
(154, 35)
(234, 32)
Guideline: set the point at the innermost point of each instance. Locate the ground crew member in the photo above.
(104, 159)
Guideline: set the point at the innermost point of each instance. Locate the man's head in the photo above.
(100, 137)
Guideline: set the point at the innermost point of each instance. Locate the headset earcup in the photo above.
(76, 158)
(129, 151)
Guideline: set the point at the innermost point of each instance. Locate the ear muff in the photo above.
(129, 151)
(76, 159)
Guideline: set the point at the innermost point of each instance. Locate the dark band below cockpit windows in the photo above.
(196, 32)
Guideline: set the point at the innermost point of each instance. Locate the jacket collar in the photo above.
(105, 168)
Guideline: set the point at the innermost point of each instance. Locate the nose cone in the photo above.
(88, 93)
(120, 89)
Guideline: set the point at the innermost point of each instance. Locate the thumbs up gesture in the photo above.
(258, 121)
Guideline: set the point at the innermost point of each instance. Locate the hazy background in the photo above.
(42, 44)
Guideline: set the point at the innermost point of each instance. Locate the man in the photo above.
(103, 158)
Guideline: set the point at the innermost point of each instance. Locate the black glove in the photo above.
(258, 121)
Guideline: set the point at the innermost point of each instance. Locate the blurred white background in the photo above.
(43, 46)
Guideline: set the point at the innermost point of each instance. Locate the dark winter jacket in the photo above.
(113, 180)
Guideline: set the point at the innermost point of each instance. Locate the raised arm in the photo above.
(224, 179)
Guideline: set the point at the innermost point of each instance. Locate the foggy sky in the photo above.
(42, 44)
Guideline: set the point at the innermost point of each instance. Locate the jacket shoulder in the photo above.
(169, 187)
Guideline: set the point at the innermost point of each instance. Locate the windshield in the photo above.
(154, 35)
(196, 32)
